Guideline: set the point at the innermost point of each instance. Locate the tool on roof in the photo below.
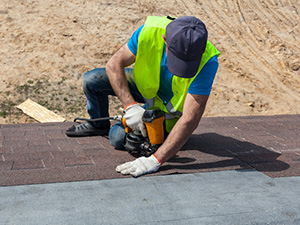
(134, 142)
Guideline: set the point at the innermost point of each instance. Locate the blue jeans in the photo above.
(96, 87)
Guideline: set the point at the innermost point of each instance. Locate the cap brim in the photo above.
(182, 68)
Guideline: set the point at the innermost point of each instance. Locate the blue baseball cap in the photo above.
(186, 39)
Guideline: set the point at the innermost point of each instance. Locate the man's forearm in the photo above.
(116, 74)
(119, 84)
(176, 139)
(183, 129)
(174, 142)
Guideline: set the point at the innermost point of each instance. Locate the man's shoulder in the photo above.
(133, 41)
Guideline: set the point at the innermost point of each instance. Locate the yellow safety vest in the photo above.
(146, 72)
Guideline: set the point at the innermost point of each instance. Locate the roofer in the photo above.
(175, 66)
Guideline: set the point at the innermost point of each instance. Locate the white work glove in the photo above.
(133, 116)
(139, 166)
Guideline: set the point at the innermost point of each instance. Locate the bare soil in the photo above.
(46, 47)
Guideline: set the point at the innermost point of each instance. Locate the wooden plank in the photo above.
(39, 112)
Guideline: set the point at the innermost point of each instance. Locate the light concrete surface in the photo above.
(227, 197)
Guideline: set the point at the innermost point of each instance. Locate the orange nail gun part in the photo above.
(127, 128)
(153, 119)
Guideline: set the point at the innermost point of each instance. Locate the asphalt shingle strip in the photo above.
(42, 153)
(244, 197)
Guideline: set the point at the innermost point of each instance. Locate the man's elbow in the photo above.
(194, 125)
(109, 66)
(191, 123)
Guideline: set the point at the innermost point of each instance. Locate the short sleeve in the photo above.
(133, 41)
(202, 84)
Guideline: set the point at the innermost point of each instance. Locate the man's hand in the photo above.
(139, 166)
(133, 116)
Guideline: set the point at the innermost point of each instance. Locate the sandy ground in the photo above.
(46, 46)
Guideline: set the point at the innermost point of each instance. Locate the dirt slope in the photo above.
(46, 46)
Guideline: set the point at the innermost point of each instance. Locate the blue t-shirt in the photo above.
(201, 85)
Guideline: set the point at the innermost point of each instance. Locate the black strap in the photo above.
(170, 18)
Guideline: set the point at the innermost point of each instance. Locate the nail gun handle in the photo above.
(153, 119)
(127, 128)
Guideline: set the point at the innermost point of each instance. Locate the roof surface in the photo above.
(233, 170)
(41, 153)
